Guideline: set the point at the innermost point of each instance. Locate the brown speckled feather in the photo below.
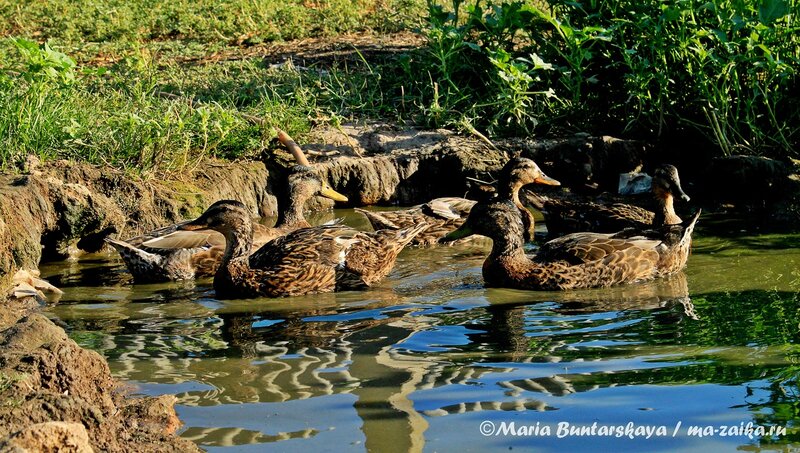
(301, 262)
(309, 260)
(442, 215)
(372, 258)
(446, 214)
(157, 267)
(578, 248)
(565, 216)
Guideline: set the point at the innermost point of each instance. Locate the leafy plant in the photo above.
(725, 69)
(41, 62)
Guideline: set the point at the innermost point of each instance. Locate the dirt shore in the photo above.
(57, 396)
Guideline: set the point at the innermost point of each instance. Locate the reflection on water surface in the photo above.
(425, 358)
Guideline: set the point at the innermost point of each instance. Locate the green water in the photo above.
(430, 358)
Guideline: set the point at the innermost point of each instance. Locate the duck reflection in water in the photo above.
(328, 346)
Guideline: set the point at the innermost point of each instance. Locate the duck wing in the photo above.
(378, 220)
(580, 248)
(448, 208)
(444, 209)
(302, 262)
(186, 239)
(324, 244)
(565, 217)
(147, 266)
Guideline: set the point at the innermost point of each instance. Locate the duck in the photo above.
(171, 254)
(325, 258)
(445, 214)
(566, 216)
(578, 260)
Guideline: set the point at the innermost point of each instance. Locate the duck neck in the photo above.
(290, 210)
(509, 190)
(665, 215)
(509, 246)
(238, 242)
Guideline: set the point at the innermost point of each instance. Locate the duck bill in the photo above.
(193, 225)
(462, 232)
(680, 193)
(328, 192)
(546, 180)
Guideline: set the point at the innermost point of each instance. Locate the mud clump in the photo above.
(49, 437)
(45, 377)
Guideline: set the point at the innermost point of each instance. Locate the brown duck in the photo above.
(446, 214)
(579, 260)
(309, 260)
(169, 253)
(564, 216)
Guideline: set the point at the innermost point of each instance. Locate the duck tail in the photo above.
(690, 224)
(378, 221)
(140, 263)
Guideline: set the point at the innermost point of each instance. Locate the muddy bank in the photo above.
(47, 210)
(57, 396)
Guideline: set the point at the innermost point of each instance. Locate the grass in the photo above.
(155, 87)
(107, 23)
(722, 72)
(102, 89)
(124, 119)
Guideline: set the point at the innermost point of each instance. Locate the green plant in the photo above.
(725, 69)
(42, 63)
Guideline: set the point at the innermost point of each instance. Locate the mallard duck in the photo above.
(170, 254)
(579, 260)
(564, 216)
(446, 214)
(309, 260)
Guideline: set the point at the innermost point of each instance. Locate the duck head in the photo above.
(667, 183)
(523, 171)
(304, 183)
(224, 216)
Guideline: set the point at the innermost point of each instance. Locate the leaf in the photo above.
(538, 63)
(26, 44)
(670, 14)
(771, 10)
(472, 46)
(720, 35)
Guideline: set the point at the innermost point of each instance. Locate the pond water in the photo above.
(430, 360)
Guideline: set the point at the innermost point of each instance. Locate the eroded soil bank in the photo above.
(44, 212)
(57, 396)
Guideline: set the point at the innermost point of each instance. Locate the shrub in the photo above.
(726, 69)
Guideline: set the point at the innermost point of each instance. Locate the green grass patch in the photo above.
(207, 21)
(143, 86)
(145, 96)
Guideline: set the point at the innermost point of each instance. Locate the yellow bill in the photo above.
(328, 192)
